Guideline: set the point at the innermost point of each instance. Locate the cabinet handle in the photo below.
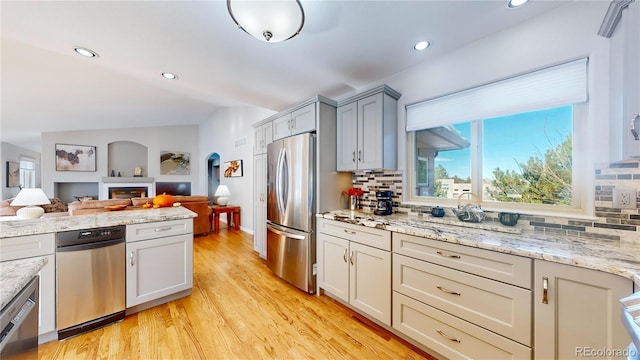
(353, 156)
(349, 232)
(444, 335)
(448, 291)
(293, 123)
(635, 126)
(359, 155)
(344, 256)
(545, 290)
(351, 258)
(447, 255)
(131, 258)
(165, 228)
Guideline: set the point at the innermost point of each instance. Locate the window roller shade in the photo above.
(551, 87)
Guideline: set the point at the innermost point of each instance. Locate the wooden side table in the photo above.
(217, 210)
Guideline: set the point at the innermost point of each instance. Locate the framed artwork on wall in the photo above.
(233, 168)
(13, 174)
(75, 157)
(174, 163)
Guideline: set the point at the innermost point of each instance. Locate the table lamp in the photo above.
(29, 197)
(222, 194)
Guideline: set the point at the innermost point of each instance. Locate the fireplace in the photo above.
(128, 192)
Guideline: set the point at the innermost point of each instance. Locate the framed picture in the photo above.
(13, 174)
(75, 157)
(233, 168)
(174, 163)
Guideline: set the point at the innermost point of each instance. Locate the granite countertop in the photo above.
(621, 258)
(16, 274)
(12, 228)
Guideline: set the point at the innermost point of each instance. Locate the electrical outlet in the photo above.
(624, 198)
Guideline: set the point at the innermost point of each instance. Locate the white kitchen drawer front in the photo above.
(507, 268)
(27, 246)
(146, 231)
(377, 238)
(496, 306)
(449, 336)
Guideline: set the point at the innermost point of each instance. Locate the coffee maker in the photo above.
(384, 202)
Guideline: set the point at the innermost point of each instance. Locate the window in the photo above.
(507, 143)
(27, 173)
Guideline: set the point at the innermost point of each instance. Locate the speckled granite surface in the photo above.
(616, 257)
(44, 225)
(16, 274)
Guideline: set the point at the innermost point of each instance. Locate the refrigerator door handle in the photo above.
(281, 181)
(280, 231)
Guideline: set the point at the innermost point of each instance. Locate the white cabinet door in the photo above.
(631, 78)
(158, 267)
(47, 316)
(370, 146)
(347, 137)
(333, 274)
(282, 127)
(581, 312)
(260, 204)
(370, 281)
(303, 120)
(258, 140)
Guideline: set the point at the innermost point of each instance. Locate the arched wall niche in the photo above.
(125, 156)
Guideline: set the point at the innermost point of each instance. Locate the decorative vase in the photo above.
(353, 200)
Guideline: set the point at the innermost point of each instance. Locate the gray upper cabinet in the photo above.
(262, 137)
(367, 128)
(297, 122)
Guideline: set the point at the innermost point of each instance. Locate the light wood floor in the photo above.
(238, 310)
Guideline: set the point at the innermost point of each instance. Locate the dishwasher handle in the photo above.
(89, 246)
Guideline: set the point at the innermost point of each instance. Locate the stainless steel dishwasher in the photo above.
(90, 279)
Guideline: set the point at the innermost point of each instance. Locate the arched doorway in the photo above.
(213, 178)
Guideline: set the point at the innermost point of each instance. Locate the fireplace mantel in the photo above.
(126, 179)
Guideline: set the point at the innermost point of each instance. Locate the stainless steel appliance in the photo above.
(290, 215)
(19, 324)
(384, 202)
(90, 279)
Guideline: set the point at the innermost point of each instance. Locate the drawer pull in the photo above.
(447, 255)
(165, 228)
(545, 290)
(344, 256)
(131, 259)
(448, 291)
(349, 232)
(444, 335)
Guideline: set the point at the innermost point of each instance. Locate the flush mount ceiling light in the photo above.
(169, 75)
(85, 52)
(271, 21)
(421, 45)
(516, 3)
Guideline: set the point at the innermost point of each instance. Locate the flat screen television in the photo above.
(173, 188)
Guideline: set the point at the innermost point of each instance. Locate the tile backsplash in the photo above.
(610, 223)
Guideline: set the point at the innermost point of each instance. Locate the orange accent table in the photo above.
(217, 210)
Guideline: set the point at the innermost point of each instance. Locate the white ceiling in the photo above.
(343, 47)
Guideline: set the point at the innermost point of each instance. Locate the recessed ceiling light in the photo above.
(516, 3)
(421, 45)
(85, 52)
(169, 75)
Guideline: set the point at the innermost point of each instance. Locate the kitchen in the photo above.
(447, 74)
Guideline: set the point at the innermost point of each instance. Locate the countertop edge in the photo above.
(15, 274)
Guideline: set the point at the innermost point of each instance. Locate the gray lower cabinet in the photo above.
(41, 245)
(159, 260)
(355, 267)
(577, 311)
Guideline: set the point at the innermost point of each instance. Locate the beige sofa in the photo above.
(56, 208)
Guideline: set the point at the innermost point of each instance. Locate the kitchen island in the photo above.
(14, 275)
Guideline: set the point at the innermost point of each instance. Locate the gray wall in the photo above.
(9, 152)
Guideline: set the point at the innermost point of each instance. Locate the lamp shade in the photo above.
(29, 198)
(271, 21)
(222, 194)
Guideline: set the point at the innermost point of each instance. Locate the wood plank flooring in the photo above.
(238, 310)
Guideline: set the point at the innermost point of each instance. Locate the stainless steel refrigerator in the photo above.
(291, 249)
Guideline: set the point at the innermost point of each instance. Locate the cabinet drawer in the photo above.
(377, 238)
(146, 231)
(451, 337)
(27, 246)
(507, 268)
(493, 305)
